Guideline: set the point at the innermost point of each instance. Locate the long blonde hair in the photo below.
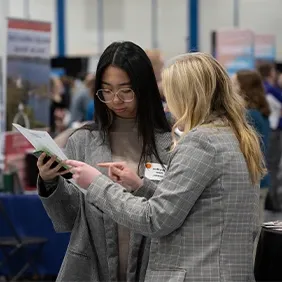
(199, 92)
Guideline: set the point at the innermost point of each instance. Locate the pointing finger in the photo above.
(105, 164)
(112, 164)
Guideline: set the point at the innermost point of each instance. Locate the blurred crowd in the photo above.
(72, 101)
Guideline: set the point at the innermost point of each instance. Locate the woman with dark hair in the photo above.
(130, 126)
(250, 86)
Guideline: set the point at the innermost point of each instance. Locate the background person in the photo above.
(252, 90)
(274, 98)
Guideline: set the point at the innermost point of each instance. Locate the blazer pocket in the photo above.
(78, 254)
(165, 275)
(167, 252)
(77, 267)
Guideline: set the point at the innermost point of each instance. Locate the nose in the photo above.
(117, 100)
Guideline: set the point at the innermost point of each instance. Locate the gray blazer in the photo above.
(92, 254)
(203, 216)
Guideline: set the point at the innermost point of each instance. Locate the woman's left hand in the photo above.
(83, 174)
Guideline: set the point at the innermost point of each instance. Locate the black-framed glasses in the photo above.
(107, 96)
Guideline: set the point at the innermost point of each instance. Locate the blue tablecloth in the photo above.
(30, 219)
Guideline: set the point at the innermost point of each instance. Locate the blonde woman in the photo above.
(203, 216)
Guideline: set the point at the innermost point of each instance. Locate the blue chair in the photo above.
(15, 246)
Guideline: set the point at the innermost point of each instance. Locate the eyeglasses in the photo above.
(107, 96)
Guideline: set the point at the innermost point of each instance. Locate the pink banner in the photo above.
(265, 47)
(235, 49)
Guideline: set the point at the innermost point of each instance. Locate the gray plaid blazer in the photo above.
(203, 216)
(92, 254)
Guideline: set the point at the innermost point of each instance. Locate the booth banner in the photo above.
(234, 49)
(3, 37)
(265, 47)
(28, 73)
(2, 101)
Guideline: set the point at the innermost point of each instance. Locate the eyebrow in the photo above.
(120, 84)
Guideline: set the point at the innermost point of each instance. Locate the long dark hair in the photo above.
(251, 88)
(150, 115)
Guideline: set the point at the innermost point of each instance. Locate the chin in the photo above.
(125, 115)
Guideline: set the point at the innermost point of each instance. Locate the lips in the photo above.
(119, 110)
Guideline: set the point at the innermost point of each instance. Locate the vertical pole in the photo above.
(4, 13)
(100, 24)
(236, 13)
(154, 24)
(26, 11)
(61, 37)
(193, 25)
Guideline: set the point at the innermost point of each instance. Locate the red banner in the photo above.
(16, 149)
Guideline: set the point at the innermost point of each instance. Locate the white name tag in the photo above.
(155, 171)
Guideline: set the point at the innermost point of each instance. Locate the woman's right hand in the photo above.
(120, 172)
(45, 171)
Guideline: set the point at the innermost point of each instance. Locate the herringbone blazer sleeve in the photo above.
(191, 169)
(60, 198)
(147, 190)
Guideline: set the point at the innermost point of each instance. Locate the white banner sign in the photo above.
(28, 39)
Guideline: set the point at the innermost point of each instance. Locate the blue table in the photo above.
(30, 219)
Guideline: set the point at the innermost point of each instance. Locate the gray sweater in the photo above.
(126, 147)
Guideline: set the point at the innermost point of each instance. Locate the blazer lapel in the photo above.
(101, 153)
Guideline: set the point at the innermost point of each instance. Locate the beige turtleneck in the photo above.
(126, 147)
